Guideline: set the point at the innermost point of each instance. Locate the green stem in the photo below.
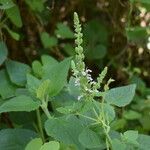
(40, 124)
(45, 109)
(86, 117)
(108, 139)
(105, 125)
(47, 113)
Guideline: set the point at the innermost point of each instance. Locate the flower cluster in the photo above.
(89, 88)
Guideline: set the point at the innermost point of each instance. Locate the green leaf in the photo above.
(6, 4)
(63, 31)
(75, 107)
(140, 84)
(96, 33)
(22, 91)
(57, 76)
(145, 1)
(7, 89)
(145, 120)
(48, 41)
(52, 145)
(15, 139)
(121, 96)
(63, 99)
(118, 144)
(69, 49)
(67, 147)
(136, 34)
(19, 103)
(36, 5)
(144, 142)
(97, 52)
(72, 89)
(90, 139)
(142, 1)
(96, 40)
(48, 62)
(27, 118)
(108, 110)
(3, 52)
(65, 129)
(132, 115)
(14, 15)
(42, 90)
(32, 83)
(131, 137)
(17, 72)
(34, 144)
(13, 34)
(37, 68)
(118, 124)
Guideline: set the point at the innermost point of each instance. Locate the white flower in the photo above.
(93, 82)
(84, 73)
(79, 97)
(90, 91)
(77, 82)
(89, 77)
(88, 70)
(96, 91)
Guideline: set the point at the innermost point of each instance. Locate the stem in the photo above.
(46, 111)
(86, 117)
(107, 144)
(105, 125)
(108, 139)
(40, 124)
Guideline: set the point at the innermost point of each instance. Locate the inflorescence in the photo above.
(89, 88)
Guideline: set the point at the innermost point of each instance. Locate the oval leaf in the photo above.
(17, 72)
(37, 68)
(65, 129)
(32, 83)
(19, 103)
(90, 139)
(15, 139)
(143, 141)
(121, 96)
(13, 14)
(52, 145)
(63, 31)
(13, 34)
(34, 144)
(7, 89)
(48, 41)
(57, 76)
